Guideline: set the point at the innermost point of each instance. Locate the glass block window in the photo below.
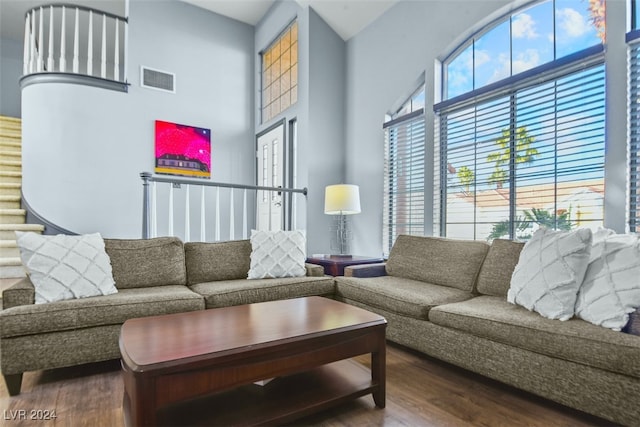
(280, 73)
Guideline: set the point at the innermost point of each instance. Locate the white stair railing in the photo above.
(40, 45)
(152, 207)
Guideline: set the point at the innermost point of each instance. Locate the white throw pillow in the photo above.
(550, 271)
(611, 286)
(277, 254)
(65, 267)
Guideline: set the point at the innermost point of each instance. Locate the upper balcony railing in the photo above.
(75, 43)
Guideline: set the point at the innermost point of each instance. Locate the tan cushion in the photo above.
(495, 274)
(139, 263)
(399, 295)
(446, 262)
(574, 340)
(226, 293)
(97, 311)
(208, 262)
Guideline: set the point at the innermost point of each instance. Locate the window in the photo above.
(280, 73)
(404, 149)
(522, 145)
(633, 38)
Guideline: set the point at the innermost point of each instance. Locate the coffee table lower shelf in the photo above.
(281, 400)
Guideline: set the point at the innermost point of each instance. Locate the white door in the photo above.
(270, 174)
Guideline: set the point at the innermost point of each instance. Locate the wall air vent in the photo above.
(157, 79)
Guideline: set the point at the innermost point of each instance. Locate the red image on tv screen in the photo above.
(183, 150)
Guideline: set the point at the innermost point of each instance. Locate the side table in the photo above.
(334, 264)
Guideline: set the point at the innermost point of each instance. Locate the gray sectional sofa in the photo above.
(446, 298)
(153, 277)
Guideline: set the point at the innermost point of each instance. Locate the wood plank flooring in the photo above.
(421, 391)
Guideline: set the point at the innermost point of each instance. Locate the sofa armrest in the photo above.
(21, 293)
(633, 327)
(314, 270)
(366, 270)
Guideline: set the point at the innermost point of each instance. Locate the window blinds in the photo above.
(404, 152)
(531, 156)
(634, 137)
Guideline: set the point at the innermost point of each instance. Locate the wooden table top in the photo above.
(161, 341)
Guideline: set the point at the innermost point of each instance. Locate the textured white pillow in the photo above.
(611, 286)
(551, 268)
(277, 254)
(65, 267)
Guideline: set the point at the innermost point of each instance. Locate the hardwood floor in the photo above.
(421, 391)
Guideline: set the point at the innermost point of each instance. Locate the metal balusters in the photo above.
(76, 43)
(116, 54)
(39, 61)
(217, 236)
(154, 210)
(90, 46)
(63, 42)
(244, 214)
(26, 54)
(32, 42)
(187, 216)
(232, 216)
(103, 53)
(202, 216)
(50, 61)
(170, 209)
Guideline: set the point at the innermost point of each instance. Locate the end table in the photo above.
(334, 264)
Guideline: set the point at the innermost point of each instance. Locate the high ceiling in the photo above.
(346, 17)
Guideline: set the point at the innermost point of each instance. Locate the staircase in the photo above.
(12, 218)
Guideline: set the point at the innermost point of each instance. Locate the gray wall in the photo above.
(85, 147)
(10, 73)
(320, 109)
(385, 61)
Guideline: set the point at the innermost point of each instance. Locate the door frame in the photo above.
(286, 220)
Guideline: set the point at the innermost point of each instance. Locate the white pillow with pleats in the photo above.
(66, 267)
(550, 271)
(277, 254)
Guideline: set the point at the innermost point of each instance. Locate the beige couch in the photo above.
(153, 277)
(447, 299)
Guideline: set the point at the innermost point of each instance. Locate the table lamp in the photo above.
(341, 200)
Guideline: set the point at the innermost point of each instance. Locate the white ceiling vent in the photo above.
(157, 79)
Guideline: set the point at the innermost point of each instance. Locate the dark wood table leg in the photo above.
(378, 371)
(138, 402)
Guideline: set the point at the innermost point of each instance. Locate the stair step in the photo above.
(9, 249)
(10, 189)
(9, 201)
(11, 155)
(12, 216)
(11, 267)
(10, 165)
(10, 176)
(8, 231)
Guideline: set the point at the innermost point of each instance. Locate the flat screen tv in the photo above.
(183, 150)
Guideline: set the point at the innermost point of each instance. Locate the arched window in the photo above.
(521, 129)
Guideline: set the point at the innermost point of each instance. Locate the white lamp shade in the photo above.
(342, 199)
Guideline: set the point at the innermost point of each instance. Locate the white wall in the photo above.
(84, 148)
(10, 73)
(385, 61)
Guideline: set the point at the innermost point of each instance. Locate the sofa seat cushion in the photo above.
(226, 293)
(406, 297)
(97, 311)
(573, 340)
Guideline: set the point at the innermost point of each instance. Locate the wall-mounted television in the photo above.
(183, 150)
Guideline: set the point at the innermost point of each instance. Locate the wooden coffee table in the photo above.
(202, 367)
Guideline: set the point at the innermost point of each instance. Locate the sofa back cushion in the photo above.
(139, 263)
(446, 262)
(209, 262)
(495, 275)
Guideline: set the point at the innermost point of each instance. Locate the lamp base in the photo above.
(341, 236)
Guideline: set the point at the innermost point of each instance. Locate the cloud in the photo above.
(523, 26)
(572, 22)
(482, 57)
(526, 60)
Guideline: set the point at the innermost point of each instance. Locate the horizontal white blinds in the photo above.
(534, 156)
(634, 137)
(404, 160)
